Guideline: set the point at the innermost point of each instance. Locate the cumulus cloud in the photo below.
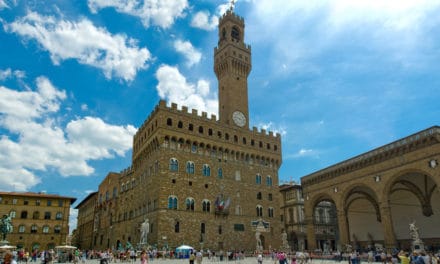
(161, 13)
(36, 141)
(3, 4)
(270, 126)
(115, 55)
(73, 219)
(204, 20)
(192, 55)
(174, 87)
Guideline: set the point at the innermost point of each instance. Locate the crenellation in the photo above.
(205, 115)
(194, 112)
(173, 106)
(184, 109)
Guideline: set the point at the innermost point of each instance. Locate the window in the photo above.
(25, 202)
(45, 229)
(238, 227)
(190, 167)
(60, 203)
(269, 197)
(189, 204)
(190, 127)
(259, 210)
(206, 206)
(57, 229)
(177, 227)
(14, 201)
(169, 122)
(270, 212)
(220, 173)
(172, 202)
(12, 214)
(107, 195)
(37, 202)
(258, 179)
(115, 192)
(23, 214)
(259, 196)
(268, 180)
(206, 170)
(180, 124)
(200, 129)
(49, 202)
(47, 215)
(202, 228)
(174, 164)
(21, 229)
(34, 229)
(194, 148)
(59, 216)
(238, 210)
(219, 229)
(36, 215)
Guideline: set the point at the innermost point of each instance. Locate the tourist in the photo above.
(8, 258)
(199, 257)
(192, 257)
(404, 257)
(144, 257)
(259, 258)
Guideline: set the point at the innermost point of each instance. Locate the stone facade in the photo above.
(85, 223)
(40, 221)
(200, 181)
(293, 218)
(379, 193)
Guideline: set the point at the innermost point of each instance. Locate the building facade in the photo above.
(86, 221)
(40, 220)
(199, 180)
(294, 220)
(378, 194)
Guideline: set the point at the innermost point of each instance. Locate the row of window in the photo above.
(219, 134)
(206, 171)
(36, 215)
(26, 202)
(206, 206)
(34, 229)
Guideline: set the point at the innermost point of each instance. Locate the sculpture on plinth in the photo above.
(5, 227)
(417, 243)
(284, 241)
(145, 229)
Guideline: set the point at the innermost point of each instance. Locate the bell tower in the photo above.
(232, 65)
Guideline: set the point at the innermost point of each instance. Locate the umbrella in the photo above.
(184, 247)
(65, 247)
(6, 247)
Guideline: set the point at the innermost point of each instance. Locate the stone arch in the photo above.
(363, 192)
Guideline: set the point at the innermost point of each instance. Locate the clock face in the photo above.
(239, 118)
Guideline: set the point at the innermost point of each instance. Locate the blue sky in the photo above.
(335, 78)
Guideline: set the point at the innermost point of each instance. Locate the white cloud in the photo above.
(3, 4)
(8, 73)
(271, 127)
(116, 55)
(301, 153)
(35, 141)
(174, 88)
(162, 13)
(84, 107)
(192, 55)
(203, 20)
(73, 219)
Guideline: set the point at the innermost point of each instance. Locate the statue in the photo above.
(5, 226)
(145, 229)
(259, 244)
(414, 231)
(284, 240)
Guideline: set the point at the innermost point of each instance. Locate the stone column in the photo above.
(387, 224)
(344, 231)
(311, 240)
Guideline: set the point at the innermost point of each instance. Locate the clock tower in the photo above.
(232, 65)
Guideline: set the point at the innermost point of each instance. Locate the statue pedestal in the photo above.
(4, 242)
(418, 246)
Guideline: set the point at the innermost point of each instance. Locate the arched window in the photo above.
(45, 229)
(174, 164)
(36, 215)
(258, 179)
(200, 129)
(57, 229)
(270, 212)
(268, 180)
(180, 124)
(190, 167)
(220, 173)
(206, 206)
(34, 229)
(172, 202)
(23, 214)
(189, 204)
(177, 227)
(259, 196)
(260, 210)
(206, 170)
(202, 228)
(59, 216)
(169, 122)
(12, 213)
